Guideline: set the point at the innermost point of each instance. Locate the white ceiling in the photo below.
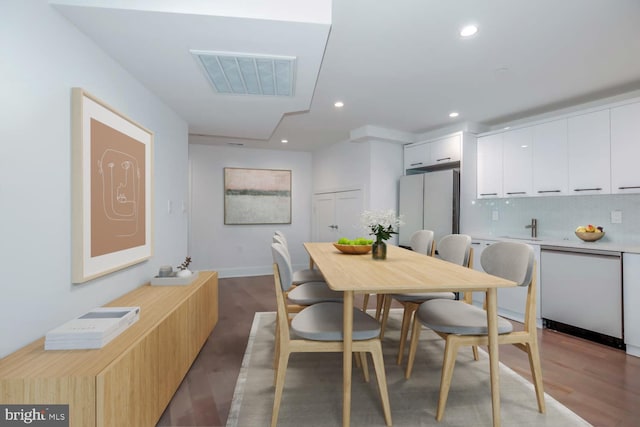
(396, 64)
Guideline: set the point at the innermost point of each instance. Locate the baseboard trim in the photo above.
(584, 333)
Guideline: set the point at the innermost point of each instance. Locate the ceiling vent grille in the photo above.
(233, 73)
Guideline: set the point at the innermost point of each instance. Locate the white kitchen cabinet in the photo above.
(631, 301)
(625, 149)
(511, 301)
(445, 150)
(550, 159)
(517, 163)
(589, 153)
(489, 172)
(433, 153)
(417, 155)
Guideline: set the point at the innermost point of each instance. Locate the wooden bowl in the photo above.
(589, 237)
(353, 249)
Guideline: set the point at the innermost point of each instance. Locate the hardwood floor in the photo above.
(599, 383)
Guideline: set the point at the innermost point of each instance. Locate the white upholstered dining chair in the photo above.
(461, 323)
(318, 328)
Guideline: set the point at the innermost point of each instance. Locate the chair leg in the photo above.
(362, 356)
(409, 310)
(276, 347)
(385, 315)
(365, 303)
(280, 375)
(475, 352)
(378, 364)
(536, 372)
(450, 353)
(415, 336)
(379, 303)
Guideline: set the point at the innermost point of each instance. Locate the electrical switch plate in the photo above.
(495, 215)
(616, 217)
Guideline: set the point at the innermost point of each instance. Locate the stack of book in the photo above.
(93, 329)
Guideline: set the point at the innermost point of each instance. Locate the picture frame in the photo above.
(112, 189)
(257, 196)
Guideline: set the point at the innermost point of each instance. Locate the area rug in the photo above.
(313, 388)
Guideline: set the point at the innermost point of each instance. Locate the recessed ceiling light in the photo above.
(338, 104)
(454, 114)
(468, 31)
(284, 141)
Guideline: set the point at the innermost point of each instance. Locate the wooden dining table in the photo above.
(404, 271)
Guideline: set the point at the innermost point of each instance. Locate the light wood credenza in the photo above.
(130, 381)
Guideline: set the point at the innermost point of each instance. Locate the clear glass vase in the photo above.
(379, 249)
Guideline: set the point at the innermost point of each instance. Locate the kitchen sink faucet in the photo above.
(534, 227)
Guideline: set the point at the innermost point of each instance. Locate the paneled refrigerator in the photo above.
(430, 201)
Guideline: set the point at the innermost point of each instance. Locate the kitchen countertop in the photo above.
(575, 243)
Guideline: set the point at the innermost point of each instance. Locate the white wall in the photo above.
(342, 166)
(386, 169)
(43, 57)
(372, 166)
(243, 250)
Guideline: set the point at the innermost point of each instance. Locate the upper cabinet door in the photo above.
(517, 167)
(490, 166)
(625, 149)
(550, 159)
(445, 150)
(589, 153)
(417, 155)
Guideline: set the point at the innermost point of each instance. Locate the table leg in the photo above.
(347, 357)
(492, 323)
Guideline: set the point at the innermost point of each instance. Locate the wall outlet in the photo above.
(495, 215)
(616, 217)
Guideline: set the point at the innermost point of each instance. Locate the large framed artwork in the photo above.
(257, 196)
(112, 218)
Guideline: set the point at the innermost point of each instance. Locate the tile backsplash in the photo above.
(558, 217)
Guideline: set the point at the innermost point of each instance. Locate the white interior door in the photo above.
(324, 208)
(348, 210)
(337, 215)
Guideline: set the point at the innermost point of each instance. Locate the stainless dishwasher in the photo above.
(581, 293)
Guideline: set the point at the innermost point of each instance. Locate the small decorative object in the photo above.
(353, 249)
(589, 233)
(184, 268)
(165, 271)
(359, 245)
(381, 224)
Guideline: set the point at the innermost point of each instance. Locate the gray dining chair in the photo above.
(319, 328)
(421, 241)
(302, 275)
(455, 248)
(461, 323)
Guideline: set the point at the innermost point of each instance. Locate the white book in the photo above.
(93, 329)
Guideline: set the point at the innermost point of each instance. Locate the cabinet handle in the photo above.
(629, 187)
(415, 164)
(516, 192)
(488, 194)
(588, 189)
(548, 191)
(444, 158)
